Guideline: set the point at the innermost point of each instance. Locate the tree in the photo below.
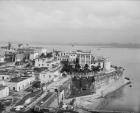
(95, 68)
(86, 67)
(77, 65)
(66, 66)
(49, 55)
(77, 61)
(1, 106)
(36, 84)
(42, 55)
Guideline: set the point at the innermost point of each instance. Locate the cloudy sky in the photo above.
(63, 21)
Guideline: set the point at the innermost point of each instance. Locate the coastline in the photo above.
(91, 102)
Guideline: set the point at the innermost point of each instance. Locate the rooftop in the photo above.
(18, 79)
(8, 72)
(99, 59)
(2, 87)
(89, 52)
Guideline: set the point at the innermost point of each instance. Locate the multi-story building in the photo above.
(10, 55)
(72, 56)
(61, 56)
(85, 57)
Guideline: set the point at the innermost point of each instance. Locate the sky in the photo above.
(68, 21)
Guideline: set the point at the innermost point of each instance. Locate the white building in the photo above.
(48, 76)
(61, 55)
(4, 91)
(85, 57)
(104, 63)
(72, 56)
(19, 57)
(46, 62)
(5, 77)
(33, 56)
(19, 83)
(2, 59)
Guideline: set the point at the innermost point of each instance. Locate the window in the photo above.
(2, 78)
(14, 88)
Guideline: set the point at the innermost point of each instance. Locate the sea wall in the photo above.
(91, 102)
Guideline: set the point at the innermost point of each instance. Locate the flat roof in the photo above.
(14, 72)
(18, 79)
(83, 51)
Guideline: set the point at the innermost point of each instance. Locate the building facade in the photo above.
(4, 91)
(61, 55)
(84, 58)
(2, 59)
(5, 77)
(19, 83)
(72, 56)
(34, 55)
(46, 62)
(19, 57)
